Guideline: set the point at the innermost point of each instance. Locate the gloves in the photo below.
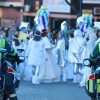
(17, 83)
(16, 57)
(13, 59)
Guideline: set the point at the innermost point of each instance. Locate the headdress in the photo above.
(79, 20)
(37, 36)
(42, 18)
(63, 25)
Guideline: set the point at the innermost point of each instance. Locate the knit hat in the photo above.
(79, 20)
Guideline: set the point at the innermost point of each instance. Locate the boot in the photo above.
(78, 78)
(14, 98)
(35, 80)
(35, 76)
(74, 79)
(75, 73)
(64, 74)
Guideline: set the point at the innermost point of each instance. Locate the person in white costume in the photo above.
(78, 50)
(90, 44)
(63, 27)
(28, 68)
(71, 59)
(49, 72)
(16, 44)
(37, 56)
(81, 49)
(60, 48)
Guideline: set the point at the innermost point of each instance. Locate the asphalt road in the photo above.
(53, 91)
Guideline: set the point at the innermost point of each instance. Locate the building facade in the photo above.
(25, 10)
(10, 10)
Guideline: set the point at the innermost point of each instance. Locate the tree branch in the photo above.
(72, 6)
(68, 2)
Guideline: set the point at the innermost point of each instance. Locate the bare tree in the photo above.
(72, 7)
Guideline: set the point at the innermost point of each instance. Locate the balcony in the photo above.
(11, 4)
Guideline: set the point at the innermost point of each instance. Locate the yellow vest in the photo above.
(91, 85)
(2, 44)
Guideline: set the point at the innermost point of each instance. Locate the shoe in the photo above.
(81, 85)
(35, 80)
(27, 79)
(74, 81)
(64, 81)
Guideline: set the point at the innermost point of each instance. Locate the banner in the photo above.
(59, 6)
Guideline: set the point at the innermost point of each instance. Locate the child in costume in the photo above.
(60, 49)
(16, 44)
(36, 56)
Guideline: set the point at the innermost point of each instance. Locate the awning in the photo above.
(53, 15)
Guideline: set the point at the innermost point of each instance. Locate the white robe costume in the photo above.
(90, 44)
(28, 68)
(61, 58)
(78, 51)
(49, 72)
(36, 58)
(71, 60)
(20, 67)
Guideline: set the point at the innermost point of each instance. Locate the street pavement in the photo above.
(52, 91)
